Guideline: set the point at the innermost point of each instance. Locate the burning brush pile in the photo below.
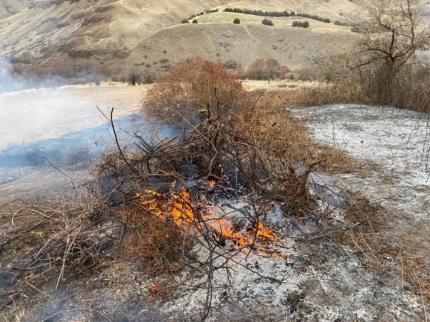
(200, 226)
(197, 215)
(203, 200)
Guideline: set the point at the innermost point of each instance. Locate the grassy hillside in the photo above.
(59, 32)
(244, 43)
(64, 36)
(11, 7)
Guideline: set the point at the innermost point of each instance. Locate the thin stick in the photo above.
(118, 145)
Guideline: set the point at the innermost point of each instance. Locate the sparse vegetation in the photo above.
(314, 17)
(276, 14)
(267, 22)
(236, 21)
(185, 21)
(195, 21)
(303, 24)
(383, 63)
(322, 94)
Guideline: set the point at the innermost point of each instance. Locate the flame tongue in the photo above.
(179, 209)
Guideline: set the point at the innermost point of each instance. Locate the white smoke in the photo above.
(10, 81)
(7, 81)
(63, 125)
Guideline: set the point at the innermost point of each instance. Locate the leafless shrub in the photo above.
(194, 90)
(384, 59)
(133, 79)
(265, 69)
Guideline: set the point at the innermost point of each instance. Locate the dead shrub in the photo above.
(161, 289)
(410, 88)
(409, 91)
(265, 69)
(287, 138)
(192, 91)
(231, 131)
(391, 35)
(383, 62)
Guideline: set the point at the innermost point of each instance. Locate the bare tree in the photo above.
(391, 34)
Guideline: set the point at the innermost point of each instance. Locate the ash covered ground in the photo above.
(320, 279)
(397, 141)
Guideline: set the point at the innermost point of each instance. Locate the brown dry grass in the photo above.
(159, 246)
(287, 137)
(382, 250)
(306, 96)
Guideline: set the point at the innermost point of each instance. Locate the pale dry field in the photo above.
(275, 85)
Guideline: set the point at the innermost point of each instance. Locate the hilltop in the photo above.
(120, 36)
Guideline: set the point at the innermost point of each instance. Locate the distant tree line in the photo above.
(203, 13)
(285, 13)
(314, 17)
(262, 13)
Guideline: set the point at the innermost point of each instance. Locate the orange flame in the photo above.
(181, 212)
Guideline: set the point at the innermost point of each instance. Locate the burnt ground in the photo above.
(337, 274)
(398, 141)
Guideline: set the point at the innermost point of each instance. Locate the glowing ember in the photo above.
(179, 209)
(212, 183)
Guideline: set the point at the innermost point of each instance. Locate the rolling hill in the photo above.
(123, 36)
(295, 47)
(11, 7)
